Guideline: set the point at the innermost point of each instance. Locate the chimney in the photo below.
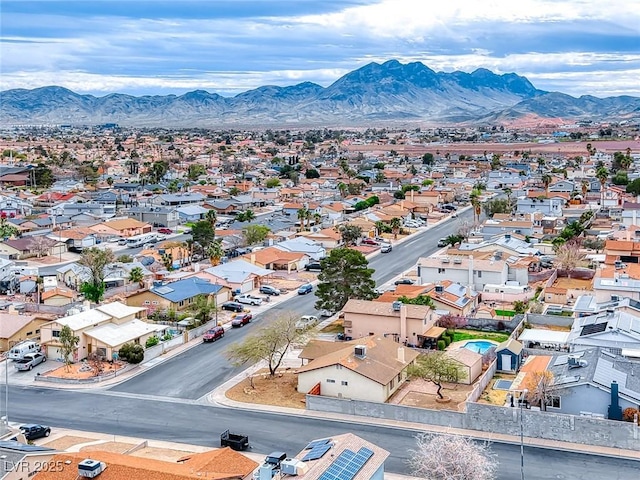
(471, 270)
(401, 355)
(403, 321)
(253, 258)
(615, 411)
(629, 233)
(196, 267)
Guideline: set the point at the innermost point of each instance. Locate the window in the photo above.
(344, 384)
(29, 334)
(338, 366)
(181, 303)
(147, 302)
(37, 331)
(399, 377)
(554, 401)
(479, 273)
(329, 380)
(155, 302)
(391, 384)
(55, 333)
(441, 270)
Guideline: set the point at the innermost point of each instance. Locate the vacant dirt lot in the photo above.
(114, 447)
(279, 391)
(67, 441)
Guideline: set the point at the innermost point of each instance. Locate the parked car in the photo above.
(403, 281)
(165, 231)
(269, 290)
(241, 320)
(306, 321)
(304, 289)
(411, 224)
(326, 313)
(232, 306)
(29, 361)
(122, 241)
(248, 299)
(369, 241)
(442, 242)
(33, 431)
(313, 266)
(455, 215)
(386, 248)
(212, 335)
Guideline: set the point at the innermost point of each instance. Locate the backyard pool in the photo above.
(479, 346)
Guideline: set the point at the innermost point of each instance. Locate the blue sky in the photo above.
(153, 47)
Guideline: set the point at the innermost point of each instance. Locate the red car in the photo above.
(241, 320)
(369, 241)
(166, 231)
(212, 335)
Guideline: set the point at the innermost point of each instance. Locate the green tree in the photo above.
(233, 191)
(215, 252)
(96, 260)
(272, 182)
(602, 174)
(419, 300)
(203, 309)
(633, 187)
(395, 223)
(269, 344)
(345, 274)
(497, 205)
(255, 233)
(68, 344)
(7, 229)
(131, 352)
(427, 159)
(437, 368)
(136, 276)
(43, 176)
(203, 233)
(546, 181)
(196, 170)
(124, 258)
(350, 234)
(157, 171)
(453, 240)
(312, 173)
(173, 186)
(212, 217)
(520, 306)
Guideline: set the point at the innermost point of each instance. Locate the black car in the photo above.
(313, 266)
(404, 281)
(33, 431)
(233, 306)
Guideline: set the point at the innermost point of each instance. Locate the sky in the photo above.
(579, 47)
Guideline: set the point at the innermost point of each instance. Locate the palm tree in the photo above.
(585, 188)
(546, 181)
(302, 214)
(507, 191)
(317, 218)
(379, 227)
(215, 252)
(307, 218)
(395, 226)
(343, 188)
(136, 276)
(602, 174)
(211, 217)
(474, 198)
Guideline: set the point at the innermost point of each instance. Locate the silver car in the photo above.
(29, 361)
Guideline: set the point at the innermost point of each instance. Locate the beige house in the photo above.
(103, 329)
(470, 361)
(58, 297)
(124, 227)
(410, 324)
(369, 369)
(15, 328)
(327, 237)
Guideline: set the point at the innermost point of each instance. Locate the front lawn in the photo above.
(459, 335)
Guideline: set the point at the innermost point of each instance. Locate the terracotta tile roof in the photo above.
(217, 464)
(369, 307)
(273, 255)
(380, 363)
(125, 223)
(65, 292)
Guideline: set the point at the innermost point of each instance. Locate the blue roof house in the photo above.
(178, 295)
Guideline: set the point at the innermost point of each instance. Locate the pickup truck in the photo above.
(233, 440)
(248, 299)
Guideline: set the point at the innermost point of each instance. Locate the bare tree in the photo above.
(569, 257)
(452, 457)
(40, 245)
(95, 362)
(465, 229)
(437, 368)
(541, 390)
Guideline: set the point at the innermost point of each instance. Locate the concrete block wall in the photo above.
(495, 419)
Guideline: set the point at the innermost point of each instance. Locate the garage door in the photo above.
(53, 353)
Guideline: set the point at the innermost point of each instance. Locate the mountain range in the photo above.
(375, 93)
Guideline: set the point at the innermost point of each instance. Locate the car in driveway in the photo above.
(313, 266)
(165, 231)
(31, 431)
(248, 299)
(370, 241)
(232, 306)
(212, 335)
(403, 281)
(29, 361)
(241, 320)
(269, 290)
(304, 289)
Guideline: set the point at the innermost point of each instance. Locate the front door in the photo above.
(506, 363)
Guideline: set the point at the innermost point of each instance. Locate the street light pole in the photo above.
(523, 394)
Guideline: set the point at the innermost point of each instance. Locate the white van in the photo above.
(19, 350)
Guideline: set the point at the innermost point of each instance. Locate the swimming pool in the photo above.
(479, 346)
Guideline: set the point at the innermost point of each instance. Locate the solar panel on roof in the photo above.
(593, 328)
(164, 290)
(316, 452)
(315, 443)
(561, 360)
(347, 465)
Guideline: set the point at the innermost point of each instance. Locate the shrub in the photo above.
(166, 337)
(441, 345)
(152, 342)
(446, 339)
(131, 352)
(500, 326)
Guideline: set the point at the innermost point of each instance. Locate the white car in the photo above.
(248, 299)
(306, 321)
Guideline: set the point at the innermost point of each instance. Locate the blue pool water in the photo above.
(479, 346)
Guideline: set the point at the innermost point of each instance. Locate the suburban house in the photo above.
(14, 328)
(303, 245)
(465, 270)
(176, 296)
(73, 275)
(177, 199)
(325, 458)
(328, 238)
(547, 206)
(273, 258)
(58, 297)
(122, 227)
(589, 382)
(157, 216)
(191, 213)
(369, 369)
(21, 461)
(470, 363)
(218, 464)
(77, 238)
(409, 324)
(25, 247)
(103, 330)
(612, 329)
(239, 275)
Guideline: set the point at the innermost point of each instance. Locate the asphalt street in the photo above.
(201, 369)
(178, 421)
